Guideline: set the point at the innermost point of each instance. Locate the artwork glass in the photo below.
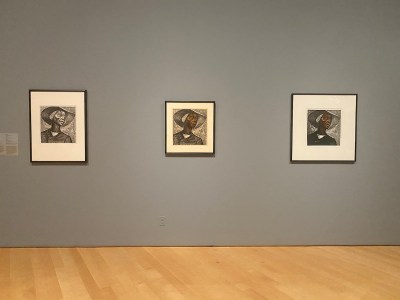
(58, 126)
(324, 127)
(189, 127)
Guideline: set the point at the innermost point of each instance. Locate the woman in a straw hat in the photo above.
(322, 120)
(189, 120)
(56, 117)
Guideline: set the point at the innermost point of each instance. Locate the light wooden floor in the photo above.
(308, 273)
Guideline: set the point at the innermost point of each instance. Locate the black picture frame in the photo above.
(323, 127)
(190, 138)
(58, 126)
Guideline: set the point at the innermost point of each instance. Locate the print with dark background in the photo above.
(323, 127)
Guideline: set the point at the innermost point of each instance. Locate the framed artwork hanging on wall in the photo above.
(189, 127)
(58, 126)
(324, 127)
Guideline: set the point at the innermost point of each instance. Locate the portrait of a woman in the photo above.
(57, 118)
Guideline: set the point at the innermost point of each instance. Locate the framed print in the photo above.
(58, 126)
(189, 127)
(324, 127)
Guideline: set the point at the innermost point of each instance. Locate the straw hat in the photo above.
(180, 117)
(315, 116)
(47, 115)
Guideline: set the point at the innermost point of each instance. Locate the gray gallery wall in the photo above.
(246, 55)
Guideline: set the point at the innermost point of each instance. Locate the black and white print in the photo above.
(57, 124)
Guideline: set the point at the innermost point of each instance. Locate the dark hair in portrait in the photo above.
(57, 124)
(323, 127)
(189, 127)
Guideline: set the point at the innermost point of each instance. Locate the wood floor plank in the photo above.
(71, 284)
(132, 278)
(21, 273)
(5, 274)
(46, 281)
(282, 273)
(86, 275)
